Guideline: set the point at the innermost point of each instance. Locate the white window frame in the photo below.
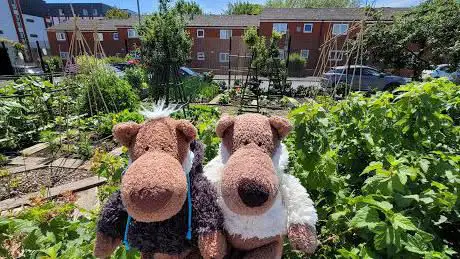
(132, 34)
(311, 30)
(303, 51)
(100, 36)
(224, 57)
(198, 33)
(277, 29)
(200, 56)
(340, 28)
(337, 56)
(64, 54)
(85, 12)
(60, 36)
(225, 34)
(115, 36)
(282, 54)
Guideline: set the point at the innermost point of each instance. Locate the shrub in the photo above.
(198, 90)
(102, 90)
(384, 171)
(115, 60)
(137, 78)
(53, 63)
(296, 64)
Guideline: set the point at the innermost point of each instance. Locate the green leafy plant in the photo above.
(296, 64)
(384, 171)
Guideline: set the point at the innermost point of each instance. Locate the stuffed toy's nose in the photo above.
(154, 187)
(252, 193)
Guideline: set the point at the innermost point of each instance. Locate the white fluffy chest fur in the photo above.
(271, 223)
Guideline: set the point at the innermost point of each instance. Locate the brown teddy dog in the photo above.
(260, 202)
(161, 191)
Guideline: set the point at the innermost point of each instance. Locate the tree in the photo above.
(243, 8)
(188, 8)
(427, 35)
(116, 13)
(311, 3)
(165, 47)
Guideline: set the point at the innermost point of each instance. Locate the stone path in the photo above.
(67, 163)
(34, 149)
(24, 160)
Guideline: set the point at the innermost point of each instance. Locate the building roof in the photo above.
(99, 24)
(53, 9)
(224, 21)
(324, 14)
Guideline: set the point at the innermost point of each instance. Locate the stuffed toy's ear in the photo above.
(186, 128)
(281, 125)
(126, 132)
(224, 123)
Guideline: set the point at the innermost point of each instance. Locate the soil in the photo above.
(35, 180)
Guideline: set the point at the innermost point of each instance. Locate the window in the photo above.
(100, 36)
(95, 12)
(225, 34)
(64, 55)
(116, 36)
(33, 35)
(132, 33)
(281, 54)
(85, 12)
(340, 29)
(370, 72)
(200, 56)
(336, 55)
(200, 33)
(61, 12)
(30, 20)
(307, 27)
(22, 36)
(280, 27)
(60, 36)
(1, 32)
(304, 53)
(223, 57)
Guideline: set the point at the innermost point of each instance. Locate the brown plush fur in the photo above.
(257, 169)
(165, 140)
(251, 140)
(105, 245)
(214, 242)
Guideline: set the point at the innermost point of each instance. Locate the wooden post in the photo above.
(229, 63)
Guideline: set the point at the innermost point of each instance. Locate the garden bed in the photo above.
(15, 185)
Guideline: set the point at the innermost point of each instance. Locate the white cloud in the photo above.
(397, 3)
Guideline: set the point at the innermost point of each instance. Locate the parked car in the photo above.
(188, 72)
(28, 70)
(443, 70)
(371, 78)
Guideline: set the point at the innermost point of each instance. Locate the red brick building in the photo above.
(217, 39)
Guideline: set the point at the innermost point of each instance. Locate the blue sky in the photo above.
(209, 6)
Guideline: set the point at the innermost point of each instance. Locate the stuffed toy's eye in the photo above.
(246, 142)
(147, 148)
(259, 144)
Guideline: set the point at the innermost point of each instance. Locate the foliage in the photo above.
(53, 63)
(383, 170)
(137, 78)
(198, 90)
(296, 64)
(28, 105)
(243, 7)
(257, 47)
(188, 8)
(165, 47)
(416, 39)
(115, 60)
(47, 231)
(311, 3)
(208, 76)
(102, 90)
(116, 13)
(224, 98)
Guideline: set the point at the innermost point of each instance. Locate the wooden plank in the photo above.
(20, 169)
(117, 151)
(31, 160)
(83, 184)
(67, 163)
(34, 149)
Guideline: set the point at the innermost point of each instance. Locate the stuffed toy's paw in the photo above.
(105, 245)
(303, 237)
(212, 245)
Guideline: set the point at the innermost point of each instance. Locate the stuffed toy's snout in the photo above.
(153, 191)
(249, 181)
